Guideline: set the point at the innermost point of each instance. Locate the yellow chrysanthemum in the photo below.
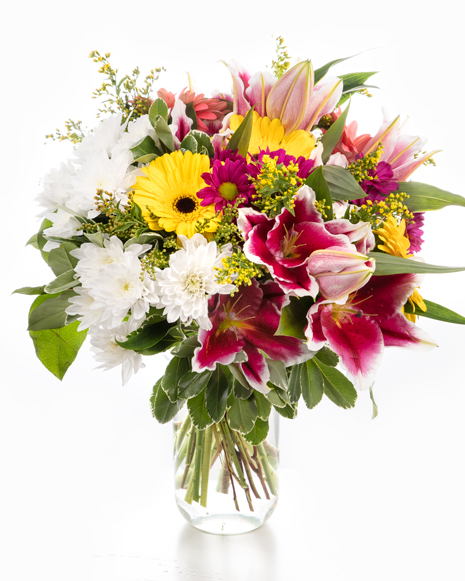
(270, 133)
(397, 244)
(167, 195)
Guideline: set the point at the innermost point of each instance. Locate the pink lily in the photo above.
(248, 322)
(289, 98)
(359, 328)
(180, 123)
(325, 97)
(240, 77)
(260, 85)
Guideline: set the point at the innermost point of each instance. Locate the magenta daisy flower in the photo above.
(227, 181)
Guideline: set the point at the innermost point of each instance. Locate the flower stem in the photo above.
(190, 454)
(225, 430)
(200, 438)
(269, 472)
(208, 441)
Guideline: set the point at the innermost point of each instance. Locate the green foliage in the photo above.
(321, 72)
(435, 311)
(258, 433)
(147, 336)
(312, 384)
(283, 60)
(332, 136)
(63, 282)
(387, 264)
(336, 386)
(192, 383)
(177, 367)
(158, 108)
(242, 414)
(240, 140)
(423, 197)
(49, 314)
(162, 408)
(56, 348)
(316, 181)
(355, 83)
(30, 290)
(217, 392)
(145, 151)
(198, 411)
(342, 184)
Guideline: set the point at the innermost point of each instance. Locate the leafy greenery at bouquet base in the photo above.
(253, 234)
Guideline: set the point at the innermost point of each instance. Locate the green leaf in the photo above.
(295, 390)
(424, 197)
(56, 348)
(176, 368)
(241, 391)
(274, 396)
(198, 411)
(147, 336)
(263, 405)
(49, 314)
(163, 345)
(60, 259)
(316, 181)
(353, 81)
(242, 415)
(258, 433)
(164, 132)
(328, 357)
(30, 290)
(238, 374)
(203, 140)
(162, 408)
(321, 72)
(293, 319)
(289, 411)
(190, 112)
(192, 383)
(387, 264)
(241, 137)
(187, 347)
(435, 311)
(41, 240)
(63, 282)
(311, 383)
(96, 238)
(332, 136)
(337, 387)
(158, 107)
(33, 242)
(342, 184)
(189, 143)
(145, 151)
(278, 374)
(217, 393)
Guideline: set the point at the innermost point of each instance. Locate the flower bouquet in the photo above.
(253, 235)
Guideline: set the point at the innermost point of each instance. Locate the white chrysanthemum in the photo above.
(136, 131)
(58, 188)
(190, 280)
(93, 258)
(103, 137)
(65, 225)
(101, 172)
(81, 305)
(110, 354)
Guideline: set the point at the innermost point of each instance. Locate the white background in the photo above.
(85, 483)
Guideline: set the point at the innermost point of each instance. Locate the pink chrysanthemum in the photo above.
(227, 181)
(414, 232)
(305, 165)
(380, 185)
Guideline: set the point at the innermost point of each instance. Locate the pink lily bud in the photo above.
(290, 97)
(325, 97)
(339, 272)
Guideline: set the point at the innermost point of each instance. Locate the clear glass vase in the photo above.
(223, 484)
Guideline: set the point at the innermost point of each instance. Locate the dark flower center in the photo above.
(185, 205)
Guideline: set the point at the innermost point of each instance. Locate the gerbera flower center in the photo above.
(228, 191)
(185, 204)
(195, 285)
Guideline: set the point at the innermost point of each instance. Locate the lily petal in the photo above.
(260, 85)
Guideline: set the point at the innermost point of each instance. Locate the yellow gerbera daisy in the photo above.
(270, 133)
(397, 244)
(167, 195)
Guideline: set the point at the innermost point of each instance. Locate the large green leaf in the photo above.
(162, 408)
(56, 348)
(295, 389)
(258, 433)
(217, 393)
(63, 282)
(353, 81)
(241, 138)
(158, 107)
(145, 151)
(332, 136)
(263, 406)
(198, 411)
(192, 383)
(242, 414)
(311, 382)
(316, 181)
(189, 143)
(60, 259)
(278, 374)
(203, 140)
(424, 197)
(435, 311)
(328, 357)
(387, 264)
(49, 314)
(147, 336)
(293, 319)
(163, 132)
(187, 347)
(175, 369)
(336, 385)
(321, 72)
(342, 184)
(30, 290)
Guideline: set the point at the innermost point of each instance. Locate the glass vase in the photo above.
(223, 484)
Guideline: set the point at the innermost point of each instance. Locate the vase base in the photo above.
(227, 523)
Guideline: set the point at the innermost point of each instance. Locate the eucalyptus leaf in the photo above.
(387, 264)
(176, 368)
(332, 136)
(435, 311)
(342, 184)
(424, 197)
(198, 411)
(243, 414)
(316, 181)
(311, 384)
(63, 282)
